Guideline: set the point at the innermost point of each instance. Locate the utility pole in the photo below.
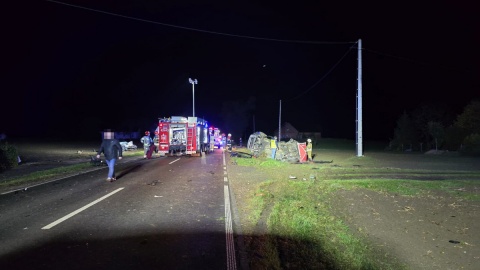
(280, 121)
(359, 138)
(193, 82)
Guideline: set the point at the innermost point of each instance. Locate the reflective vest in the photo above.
(273, 144)
(309, 147)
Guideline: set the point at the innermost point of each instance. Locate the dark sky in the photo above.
(70, 71)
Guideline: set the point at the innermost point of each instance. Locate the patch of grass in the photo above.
(303, 234)
(45, 174)
(410, 187)
(259, 162)
(257, 201)
(302, 230)
(134, 153)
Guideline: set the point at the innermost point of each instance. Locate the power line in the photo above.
(324, 76)
(202, 30)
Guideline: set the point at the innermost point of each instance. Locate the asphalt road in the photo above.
(164, 213)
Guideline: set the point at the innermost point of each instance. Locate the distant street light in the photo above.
(193, 82)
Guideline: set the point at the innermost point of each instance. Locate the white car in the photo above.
(128, 146)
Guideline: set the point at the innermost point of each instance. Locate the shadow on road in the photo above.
(153, 251)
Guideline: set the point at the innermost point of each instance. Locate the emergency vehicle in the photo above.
(180, 135)
(216, 136)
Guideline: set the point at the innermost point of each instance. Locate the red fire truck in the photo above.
(180, 135)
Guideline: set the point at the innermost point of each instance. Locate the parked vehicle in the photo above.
(128, 146)
(178, 135)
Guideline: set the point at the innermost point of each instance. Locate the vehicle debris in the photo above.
(259, 146)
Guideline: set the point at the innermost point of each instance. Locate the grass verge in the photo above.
(302, 231)
(45, 174)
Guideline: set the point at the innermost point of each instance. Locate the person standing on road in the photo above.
(273, 146)
(309, 149)
(147, 141)
(112, 150)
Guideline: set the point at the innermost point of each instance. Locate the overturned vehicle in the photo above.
(290, 151)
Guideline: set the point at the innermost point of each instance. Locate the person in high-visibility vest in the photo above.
(309, 149)
(273, 146)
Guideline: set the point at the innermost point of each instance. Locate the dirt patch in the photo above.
(436, 231)
(432, 231)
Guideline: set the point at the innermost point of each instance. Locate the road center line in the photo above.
(174, 161)
(58, 221)
(230, 241)
(231, 260)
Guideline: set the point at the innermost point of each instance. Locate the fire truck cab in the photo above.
(180, 135)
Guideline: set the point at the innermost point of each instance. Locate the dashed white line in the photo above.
(58, 221)
(225, 179)
(174, 161)
(231, 261)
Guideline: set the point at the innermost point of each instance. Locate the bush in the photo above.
(8, 156)
(471, 145)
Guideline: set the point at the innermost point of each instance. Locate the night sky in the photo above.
(74, 71)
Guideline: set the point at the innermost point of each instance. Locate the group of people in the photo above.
(274, 147)
(112, 150)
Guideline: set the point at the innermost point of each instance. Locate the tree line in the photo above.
(434, 127)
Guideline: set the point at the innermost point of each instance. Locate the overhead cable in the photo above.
(324, 76)
(202, 30)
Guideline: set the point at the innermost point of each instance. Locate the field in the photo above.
(381, 211)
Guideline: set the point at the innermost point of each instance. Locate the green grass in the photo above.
(302, 230)
(135, 153)
(45, 174)
(304, 234)
(410, 187)
(260, 162)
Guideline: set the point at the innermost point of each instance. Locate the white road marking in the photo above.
(231, 260)
(58, 221)
(224, 172)
(174, 161)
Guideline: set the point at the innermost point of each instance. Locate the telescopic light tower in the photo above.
(193, 82)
